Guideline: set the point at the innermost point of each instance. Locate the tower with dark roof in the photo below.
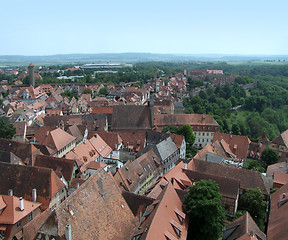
(31, 75)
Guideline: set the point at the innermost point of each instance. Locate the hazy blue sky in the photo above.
(30, 27)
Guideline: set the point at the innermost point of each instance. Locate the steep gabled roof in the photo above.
(10, 157)
(22, 179)
(96, 210)
(137, 203)
(133, 172)
(25, 151)
(233, 144)
(55, 139)
(184, 119)
(228, 186)
(277, 225)
(65, 166)
(113, 139)
(163, 216)
(83, 153)
(11, 213)
(75, 131)
(248, 178)
(100, 146)
(131, 117)
(242, 227)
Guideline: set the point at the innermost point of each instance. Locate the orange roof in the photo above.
(280, 178)
(277, 227)
(107, 218)
(177, 139)
(184, 119)
(234, 144)
(107, 110)
(178, 174)
(100, 145)
(56, 139)
(12, 213)
(85, 153)
(164, 220)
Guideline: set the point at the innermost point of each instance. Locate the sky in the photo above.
(245, 27)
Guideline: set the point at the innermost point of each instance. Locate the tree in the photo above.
(87, 91)
(268, 157)
(187, 132)
(103, 91)
(235, 129)
(7, 129)
(206, 211)
(254, 202)
(253, 165)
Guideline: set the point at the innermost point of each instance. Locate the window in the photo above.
(30, 216)
(53, 207)
(19, 224)
(178, 232)
(137, 237)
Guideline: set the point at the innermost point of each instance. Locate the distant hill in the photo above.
(129, 58)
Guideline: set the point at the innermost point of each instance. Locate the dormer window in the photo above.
(180, 215)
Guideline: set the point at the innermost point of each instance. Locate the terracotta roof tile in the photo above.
(233, 144)
(241, 228)
(184, 119)
(65, 166)
(12, 213)
(100, 146)
(248, 178)
(131, 117)
(161, 217)
(280, 178)
(22, 179)
(277, 225)
(25, 151)
(96, 210)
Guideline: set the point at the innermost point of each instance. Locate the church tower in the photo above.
(31, 75)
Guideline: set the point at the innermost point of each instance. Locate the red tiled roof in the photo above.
(107, 110)
(277, 225)
(65, 166)
(184, 119)
(243, 228)
(11, 213)
(234, 144)
(162, 219)
(248, 178)
(280, 178)
(107, 218)
(22, 179)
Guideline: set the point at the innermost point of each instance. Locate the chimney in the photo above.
(34, 195)
(283, 195)
(68, 233)
(21, 204)
(204, 115)
(47, 133)
(10, 192)
(185, 165)
(77, 185)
